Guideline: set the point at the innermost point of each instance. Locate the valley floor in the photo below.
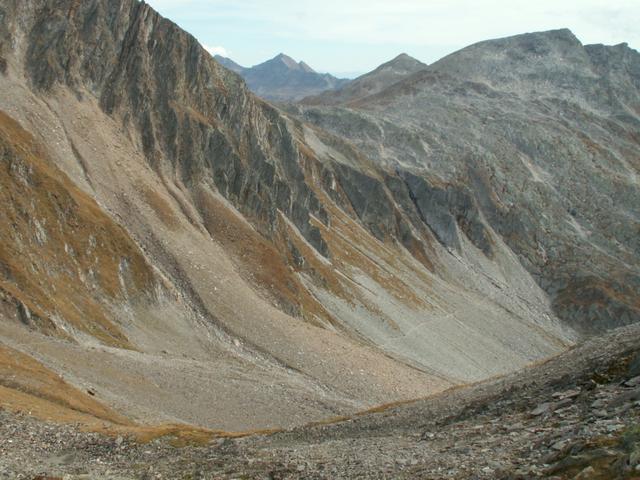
(574, 416)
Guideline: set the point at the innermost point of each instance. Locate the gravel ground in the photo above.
(575, 416)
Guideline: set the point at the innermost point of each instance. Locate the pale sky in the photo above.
(348, 37)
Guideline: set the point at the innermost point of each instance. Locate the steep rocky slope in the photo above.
(370, 83)
(277, 264)
(534, 137)
(225, 330)
(282, 79)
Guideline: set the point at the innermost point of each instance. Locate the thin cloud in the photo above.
(416, 22)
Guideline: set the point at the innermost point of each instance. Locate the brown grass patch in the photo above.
(329, 421)
(593, 147)
(325, 274)
(594, 291)
(160, 206)
(193, 114)
(60, 253)
(28, 386)
(55, 401)
(349, 244)
(186, 435)
(387, 406)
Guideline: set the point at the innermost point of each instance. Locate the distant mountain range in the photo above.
(283, 79)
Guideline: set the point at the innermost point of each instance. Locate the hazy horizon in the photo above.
(346, 38)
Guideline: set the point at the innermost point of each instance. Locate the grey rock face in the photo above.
(542, 132)
(283, 79)
(194, 117)
(447, 209)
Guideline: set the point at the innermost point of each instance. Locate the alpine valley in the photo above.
(236, 282)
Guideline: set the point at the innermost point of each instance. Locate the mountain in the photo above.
(230, 64)
(283, 79)
(177, 252)
(168, 235)
(370, 83)
(534, 138)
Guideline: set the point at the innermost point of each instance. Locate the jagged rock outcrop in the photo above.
(173, 95)
(282, 79)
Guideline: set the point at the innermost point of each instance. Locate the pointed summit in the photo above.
(403, 64)
(371, 83)
(286, 60)
(283, 79)
(282, 59)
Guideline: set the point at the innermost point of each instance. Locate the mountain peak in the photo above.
(556, 39)
(371, 83)
(403, 57)
(536, 42)
(405, 62)
(290, 63)
(283, 79)
(286, 60)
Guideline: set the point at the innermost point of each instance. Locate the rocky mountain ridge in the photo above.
(370, 83)
(230, 64)
(283, 264)
(539, 111)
